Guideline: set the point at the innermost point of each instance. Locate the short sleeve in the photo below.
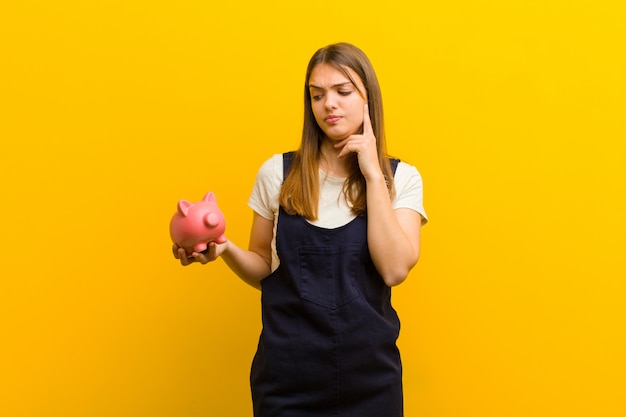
(409, 190)
(264, 196)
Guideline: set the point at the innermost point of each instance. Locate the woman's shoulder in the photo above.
(406, 172)
(264, 196)
(272, 167)
(409, 189)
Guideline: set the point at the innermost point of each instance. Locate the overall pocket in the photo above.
(328, 273)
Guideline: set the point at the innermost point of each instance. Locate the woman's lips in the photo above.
(332, 119)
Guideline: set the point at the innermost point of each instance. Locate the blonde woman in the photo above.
(336, 225)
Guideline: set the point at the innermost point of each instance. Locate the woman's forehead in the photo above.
(325, 75)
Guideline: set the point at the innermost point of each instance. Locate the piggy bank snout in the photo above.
(211, 220)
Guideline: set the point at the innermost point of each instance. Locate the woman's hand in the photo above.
(364, 145)
(213, 251)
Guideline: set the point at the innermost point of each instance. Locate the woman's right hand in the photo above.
(213, 251)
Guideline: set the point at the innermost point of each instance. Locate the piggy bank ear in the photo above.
(183, 207)
(209, 198)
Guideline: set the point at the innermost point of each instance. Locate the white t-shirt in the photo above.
(333, 211)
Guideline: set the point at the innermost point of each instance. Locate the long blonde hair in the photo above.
(300, 190)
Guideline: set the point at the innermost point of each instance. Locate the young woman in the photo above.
(336, 224)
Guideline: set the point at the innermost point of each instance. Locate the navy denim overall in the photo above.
(328, 345)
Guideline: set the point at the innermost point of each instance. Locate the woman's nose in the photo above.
(331, 101)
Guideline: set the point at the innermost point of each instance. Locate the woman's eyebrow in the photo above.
(334, 85)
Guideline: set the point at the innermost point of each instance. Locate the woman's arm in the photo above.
(393, 236)
(254, 264)
(250, 265)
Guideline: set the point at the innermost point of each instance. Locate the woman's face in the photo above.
(336, 102)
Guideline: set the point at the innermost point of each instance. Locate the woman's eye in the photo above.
(345, 93)
(317, 97)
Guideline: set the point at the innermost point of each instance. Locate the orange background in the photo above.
(112, 111)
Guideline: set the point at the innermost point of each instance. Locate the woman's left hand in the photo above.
(364, 145)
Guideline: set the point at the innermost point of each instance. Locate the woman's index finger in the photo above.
(367, 122)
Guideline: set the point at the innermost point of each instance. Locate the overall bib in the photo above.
(328, 344)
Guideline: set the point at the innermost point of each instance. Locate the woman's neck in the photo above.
(330, 164)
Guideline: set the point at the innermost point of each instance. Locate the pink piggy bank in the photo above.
(194, 225)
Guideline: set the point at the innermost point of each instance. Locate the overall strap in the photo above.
(394, 165)
(287, 158)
